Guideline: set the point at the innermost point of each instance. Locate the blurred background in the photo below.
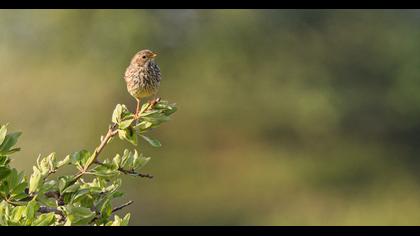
(286, 117)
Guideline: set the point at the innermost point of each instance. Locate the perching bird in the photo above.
(142, 76)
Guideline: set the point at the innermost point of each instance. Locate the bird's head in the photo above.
(143, 57)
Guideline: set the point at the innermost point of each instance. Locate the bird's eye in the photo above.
(144, 57)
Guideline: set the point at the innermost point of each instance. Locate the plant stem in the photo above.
(122, 206)
(46, 209)
(132, 172)
(112, 131)
(129, 172)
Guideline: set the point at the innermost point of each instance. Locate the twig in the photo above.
(122, 206)
(52, 194)
(132, 172)
(112, 131)
(129, 172)
(46, 209)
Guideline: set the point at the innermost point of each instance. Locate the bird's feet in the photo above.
(136, 114)
(152, 103)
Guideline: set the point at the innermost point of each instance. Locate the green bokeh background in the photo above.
(286, 117)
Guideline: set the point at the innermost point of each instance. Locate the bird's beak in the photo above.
(154, 55)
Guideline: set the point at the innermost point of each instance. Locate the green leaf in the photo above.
(19, 196)
(63, 182)
(51, 161)
(68, 222)
(125, 220)
(102, 171)
(95, 190)
(125, 123)
(3, 132)
(83, 212)
(162, 104)
(50, 185)
(117, 161)
(43, 165)
(117, 194)
(13, 178)
(129, 135)
(34, 180)
(4, 160)
(4, 209)
(4, 189)
(79, 215)
(122, 116)
(106, 209)
(143, 107)
(72, 188)
(116, 115)
(31, 208)
(157, 118)
(81, 193)
(11, 151)
(139, 161)
(4, 172)
(44, 220)
(126, 156)
(116, 184)
(117, 221)
(65, 161)
(20, 188)
(148, 113)
(9, 141)
(120, 222)
(89, 161)
(17, 213)
(80, 157)
(152, 141)
(143, 126)
(170, 110)
(165, 108)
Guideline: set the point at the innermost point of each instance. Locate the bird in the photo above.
(143, 77)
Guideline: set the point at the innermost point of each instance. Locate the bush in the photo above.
(46, 199)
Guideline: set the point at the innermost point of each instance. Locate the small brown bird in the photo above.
(142, 76)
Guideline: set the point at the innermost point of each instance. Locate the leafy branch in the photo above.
(42, 199)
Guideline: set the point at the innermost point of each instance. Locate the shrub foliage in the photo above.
(46, 198)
